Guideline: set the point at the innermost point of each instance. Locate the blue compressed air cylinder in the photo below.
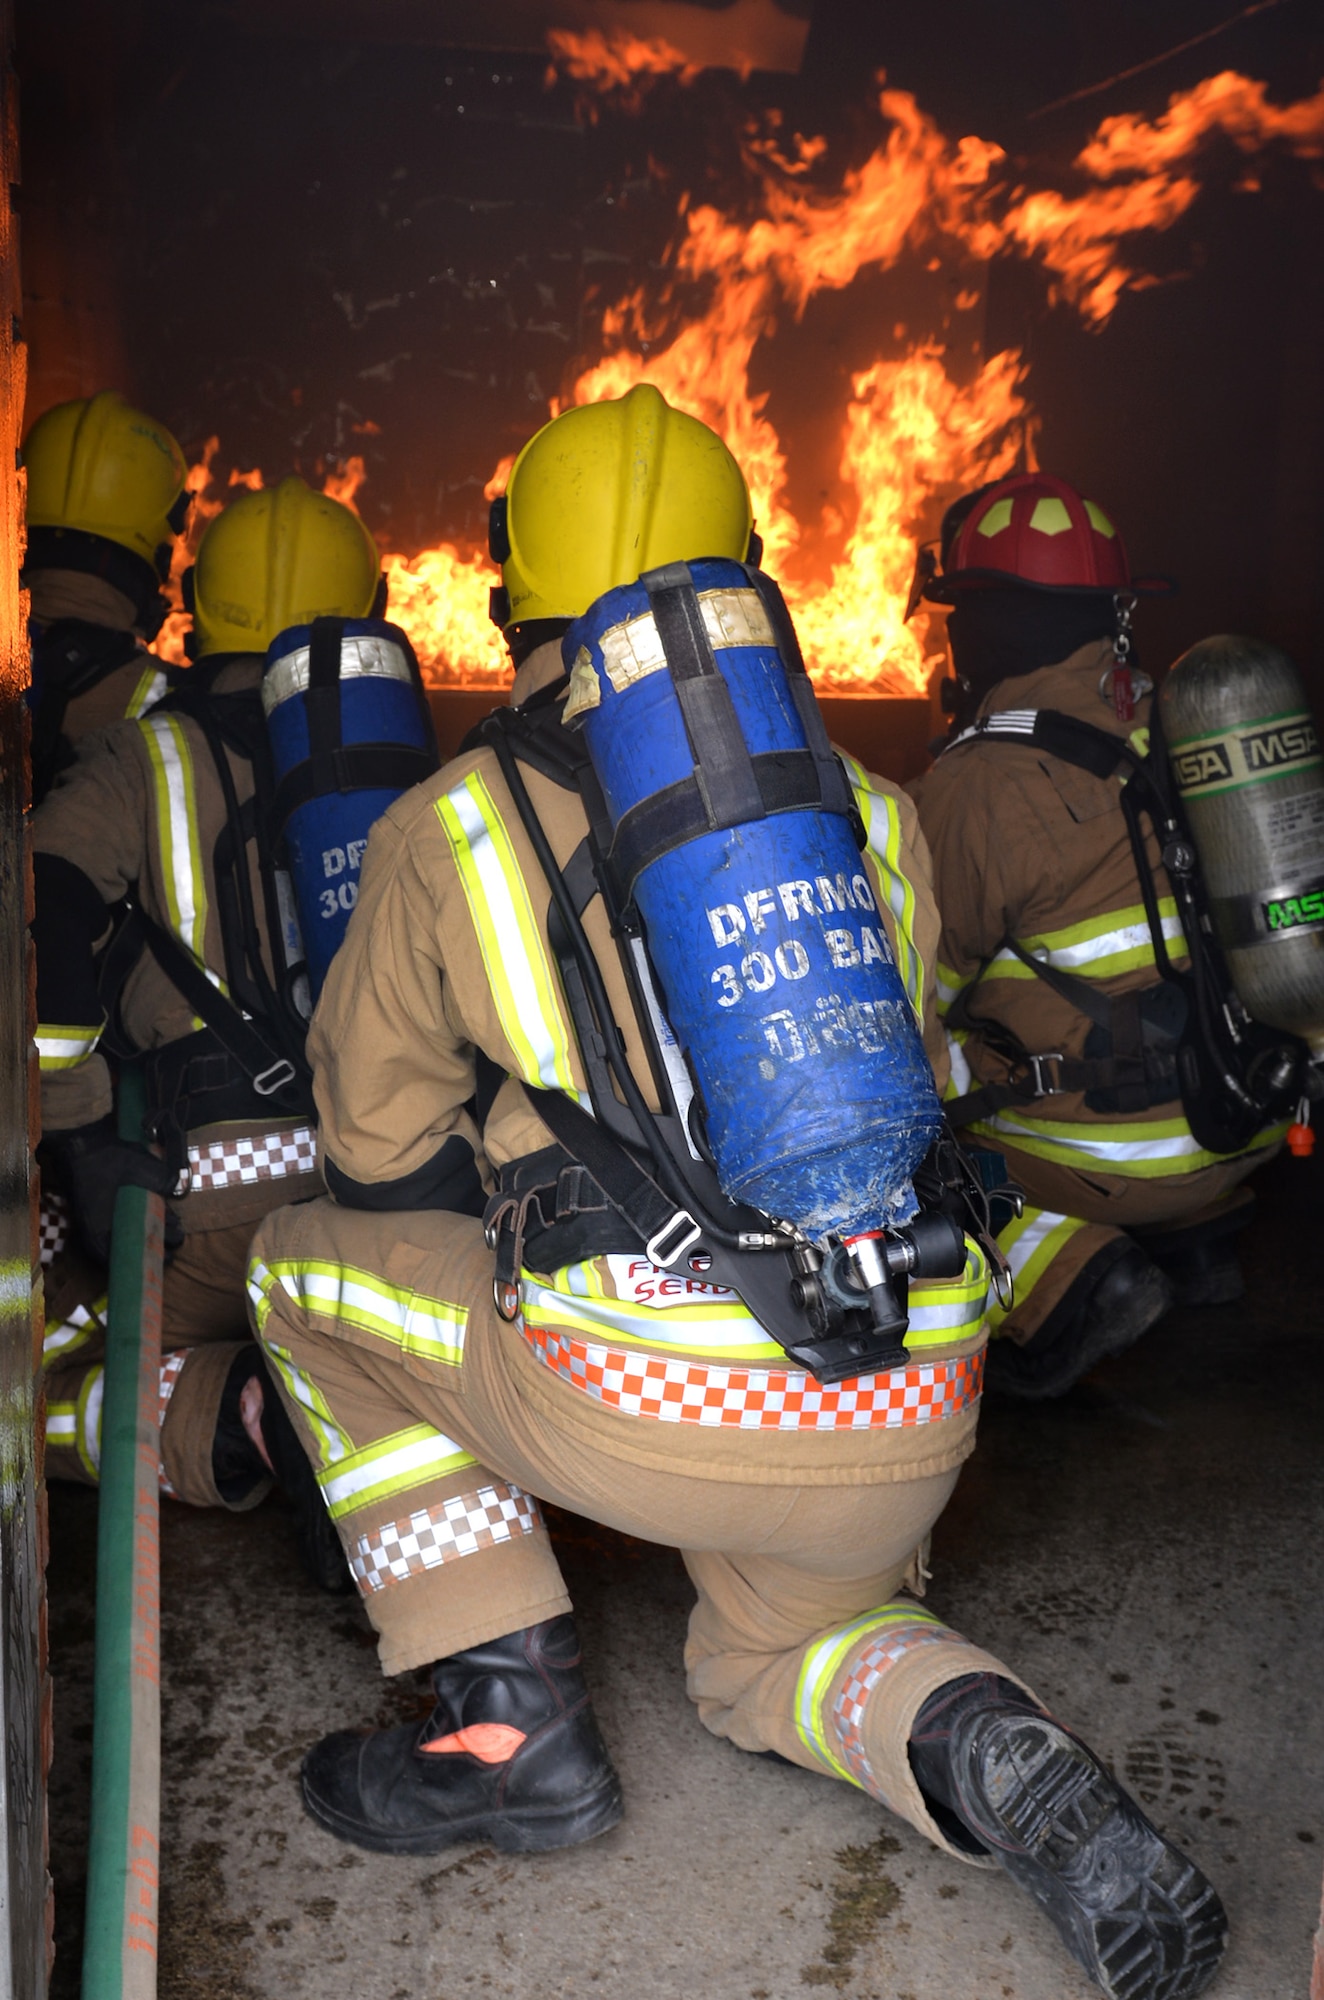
(775, 968)
(325, 838)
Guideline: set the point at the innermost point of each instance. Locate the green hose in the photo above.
(119, 1944)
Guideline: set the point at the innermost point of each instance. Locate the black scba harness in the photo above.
(1186, 1038)
(69, 659)
(628, 1179)
(247, 1062)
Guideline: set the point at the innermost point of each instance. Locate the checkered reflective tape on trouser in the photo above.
(679, 1391)
(78, 1424)
(461, 1526)
(53, 1230)
(863, 1674)
(239, 1162)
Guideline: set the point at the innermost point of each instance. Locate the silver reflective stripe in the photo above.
(425, 1454)
(1013, 721)
(363, 656)
(177, 830)
(1084, 953)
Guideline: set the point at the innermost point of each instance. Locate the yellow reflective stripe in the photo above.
(60, 1047)
(391, 1465)
(823, 1662)
(432, 1328)
(519, 972)
(944, 1310)
(1099, 948)
(61, 1423)
(1030, 1243)
(961, 1078)
(87, 1436)
(882, 828)
(73, 1332)
(947, 985)
(182, 870)
(727, 1329)
(1141, 1151)
(149, 690)
(333, 1442)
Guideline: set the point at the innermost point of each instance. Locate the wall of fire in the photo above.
(321, 234)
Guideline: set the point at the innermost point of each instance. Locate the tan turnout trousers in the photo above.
(807, 1550)
(642, 1398)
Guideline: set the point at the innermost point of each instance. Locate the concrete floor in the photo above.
(1147, 1553)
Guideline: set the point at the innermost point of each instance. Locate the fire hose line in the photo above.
(119, 1947)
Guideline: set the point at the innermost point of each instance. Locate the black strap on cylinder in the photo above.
(270, 1072)
(783, 779)
(331, 764)
(833, 788)
(723, 767)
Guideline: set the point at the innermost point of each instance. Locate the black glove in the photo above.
(90, 1164)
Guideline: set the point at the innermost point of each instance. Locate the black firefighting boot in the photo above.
(1117, 1297)
(237, 1466)
(510, 1755)
(1128, 1906)
(1201, 1262)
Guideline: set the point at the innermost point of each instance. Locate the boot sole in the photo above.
(1128, 1905)
(529, 1830)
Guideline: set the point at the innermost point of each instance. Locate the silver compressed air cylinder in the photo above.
(1247, 761)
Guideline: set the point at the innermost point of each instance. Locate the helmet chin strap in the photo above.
(1123, 682)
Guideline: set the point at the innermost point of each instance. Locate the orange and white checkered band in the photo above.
(863, 1674)
(53, 1230)
(441, 1534)
(689, 1392)
(171, 1368)
(239, 1162)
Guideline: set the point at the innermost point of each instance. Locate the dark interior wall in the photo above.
(318, 247)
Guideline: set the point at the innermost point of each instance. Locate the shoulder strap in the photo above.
(69, 659)
(266, 1069)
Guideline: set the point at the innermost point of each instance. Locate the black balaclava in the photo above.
(999, 633)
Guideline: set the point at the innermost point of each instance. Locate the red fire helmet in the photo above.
(1035, 531)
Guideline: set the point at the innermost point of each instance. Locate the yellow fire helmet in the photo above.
(101, 473)
(276, 558)
(604, 492)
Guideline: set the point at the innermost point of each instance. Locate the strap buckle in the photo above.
(660, 1249)
(271, 1080)
(1043, 1084)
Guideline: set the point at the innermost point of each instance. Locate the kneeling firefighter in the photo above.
(178, 815)
(1097, 1043)
(105, 500)
(642, 1206)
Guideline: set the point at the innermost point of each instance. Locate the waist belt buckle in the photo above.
(661, 1249)
(1043, 1084)
(274, 1079)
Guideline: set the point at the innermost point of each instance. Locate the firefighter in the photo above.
(105, 500)
(441, 1393)
(1039, 888)
(160, 811)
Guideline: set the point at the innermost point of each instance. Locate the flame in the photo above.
(169, 642)
(915, 430)
(618, 62)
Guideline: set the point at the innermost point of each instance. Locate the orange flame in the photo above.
(618, 62)
(915, 430)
